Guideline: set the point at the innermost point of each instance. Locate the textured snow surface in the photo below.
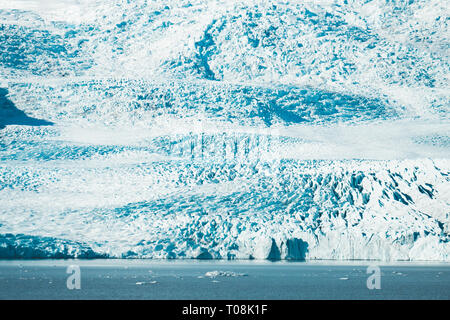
(225, 129)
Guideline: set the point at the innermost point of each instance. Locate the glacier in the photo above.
(214, 129)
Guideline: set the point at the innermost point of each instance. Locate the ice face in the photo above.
(210, 129)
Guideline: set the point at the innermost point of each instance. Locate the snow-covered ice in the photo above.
(225, 129)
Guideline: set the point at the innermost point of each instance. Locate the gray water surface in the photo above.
(150, 279)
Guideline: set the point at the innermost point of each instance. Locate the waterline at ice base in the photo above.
(280, 130)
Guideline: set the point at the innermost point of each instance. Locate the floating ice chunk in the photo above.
(213, 274)
(146, 282)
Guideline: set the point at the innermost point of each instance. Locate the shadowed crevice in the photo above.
(10, 115)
